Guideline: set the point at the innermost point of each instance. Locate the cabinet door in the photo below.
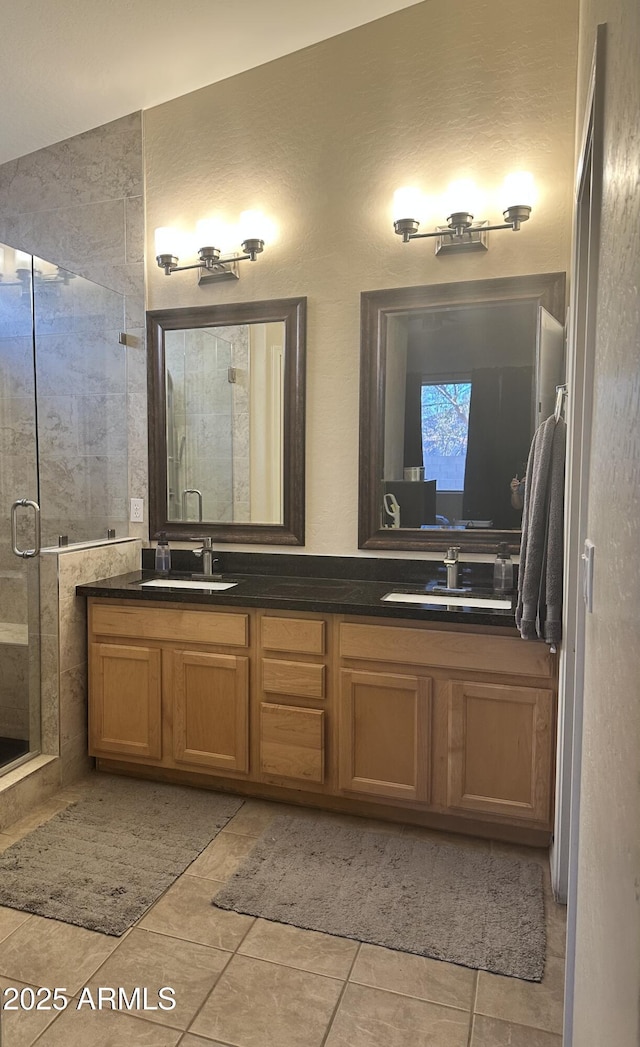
(125, 714)
(385, 734)
(210, 710)
(500, 749)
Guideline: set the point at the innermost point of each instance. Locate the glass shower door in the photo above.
(63, 446)
(19, 527)
(81, 381)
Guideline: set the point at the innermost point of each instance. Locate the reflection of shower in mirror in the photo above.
(224, 423)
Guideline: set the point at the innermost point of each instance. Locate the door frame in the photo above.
(581, 364)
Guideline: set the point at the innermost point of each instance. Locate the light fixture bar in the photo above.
(462, 231)
(210, 259)
(170, 244)
(459, 224)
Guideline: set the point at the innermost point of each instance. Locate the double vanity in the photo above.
(353, 683)
(361, 694)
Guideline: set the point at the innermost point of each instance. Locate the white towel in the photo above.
(539, 607)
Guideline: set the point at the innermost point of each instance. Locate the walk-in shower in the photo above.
(202, 413)
(63, 456)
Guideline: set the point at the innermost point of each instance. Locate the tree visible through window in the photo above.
(445, 431)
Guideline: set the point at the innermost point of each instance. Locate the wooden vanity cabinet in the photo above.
(445, 726)
(169, 686)
(459, 722)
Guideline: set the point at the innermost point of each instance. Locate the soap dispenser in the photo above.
(503, 570)
(163, 555)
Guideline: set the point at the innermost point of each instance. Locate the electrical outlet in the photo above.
(137, 510)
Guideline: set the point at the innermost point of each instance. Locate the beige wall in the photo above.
(607, 1005)
(320, 139)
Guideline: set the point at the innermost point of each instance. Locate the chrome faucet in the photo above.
(452, 563)
(208, 560)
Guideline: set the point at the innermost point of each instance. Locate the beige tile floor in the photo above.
(247, 982)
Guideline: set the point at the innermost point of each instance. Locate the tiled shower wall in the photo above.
(214, 456)
(79, 204)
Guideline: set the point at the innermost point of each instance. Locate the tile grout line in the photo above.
(287, 966)
(10, 934)
(128, 1014)
(472, 1012)
(46, 1028)
(234, 953)
(340, 997)
(206, 997)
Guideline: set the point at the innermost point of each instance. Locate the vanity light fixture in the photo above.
(462, 231)
(252, 234)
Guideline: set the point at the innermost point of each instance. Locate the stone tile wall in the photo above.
(79, 204)
(64, 645)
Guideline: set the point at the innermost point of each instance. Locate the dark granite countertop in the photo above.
(300, 592)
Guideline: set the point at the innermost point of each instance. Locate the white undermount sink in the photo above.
(184, 583)
(488, 602)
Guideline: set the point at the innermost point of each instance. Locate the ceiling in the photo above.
(70, 65)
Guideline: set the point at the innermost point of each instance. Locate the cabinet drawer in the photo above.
(300, 678)
(146, 623)
(292, 742)
(302, 635)
(451, 650)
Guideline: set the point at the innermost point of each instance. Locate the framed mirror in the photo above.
(226, 387)
(454, 379)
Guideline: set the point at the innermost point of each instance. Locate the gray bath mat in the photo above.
(103, 861)
(443, 900)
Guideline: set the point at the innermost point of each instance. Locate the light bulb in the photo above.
(463, 196)
(518, 190)
(23, 260)
(46, 268)
(254, 225)
(167, 241)
(212, 232)
(408, 202)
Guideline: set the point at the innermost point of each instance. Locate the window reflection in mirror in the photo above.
(226, 390)
(454, 380)
(465, 382)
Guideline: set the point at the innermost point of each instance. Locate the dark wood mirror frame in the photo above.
(290, 311)
(546, 289)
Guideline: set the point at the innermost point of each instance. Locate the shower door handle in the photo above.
(24, 503)
(192, 490)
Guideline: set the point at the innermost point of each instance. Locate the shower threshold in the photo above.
(12, 757)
